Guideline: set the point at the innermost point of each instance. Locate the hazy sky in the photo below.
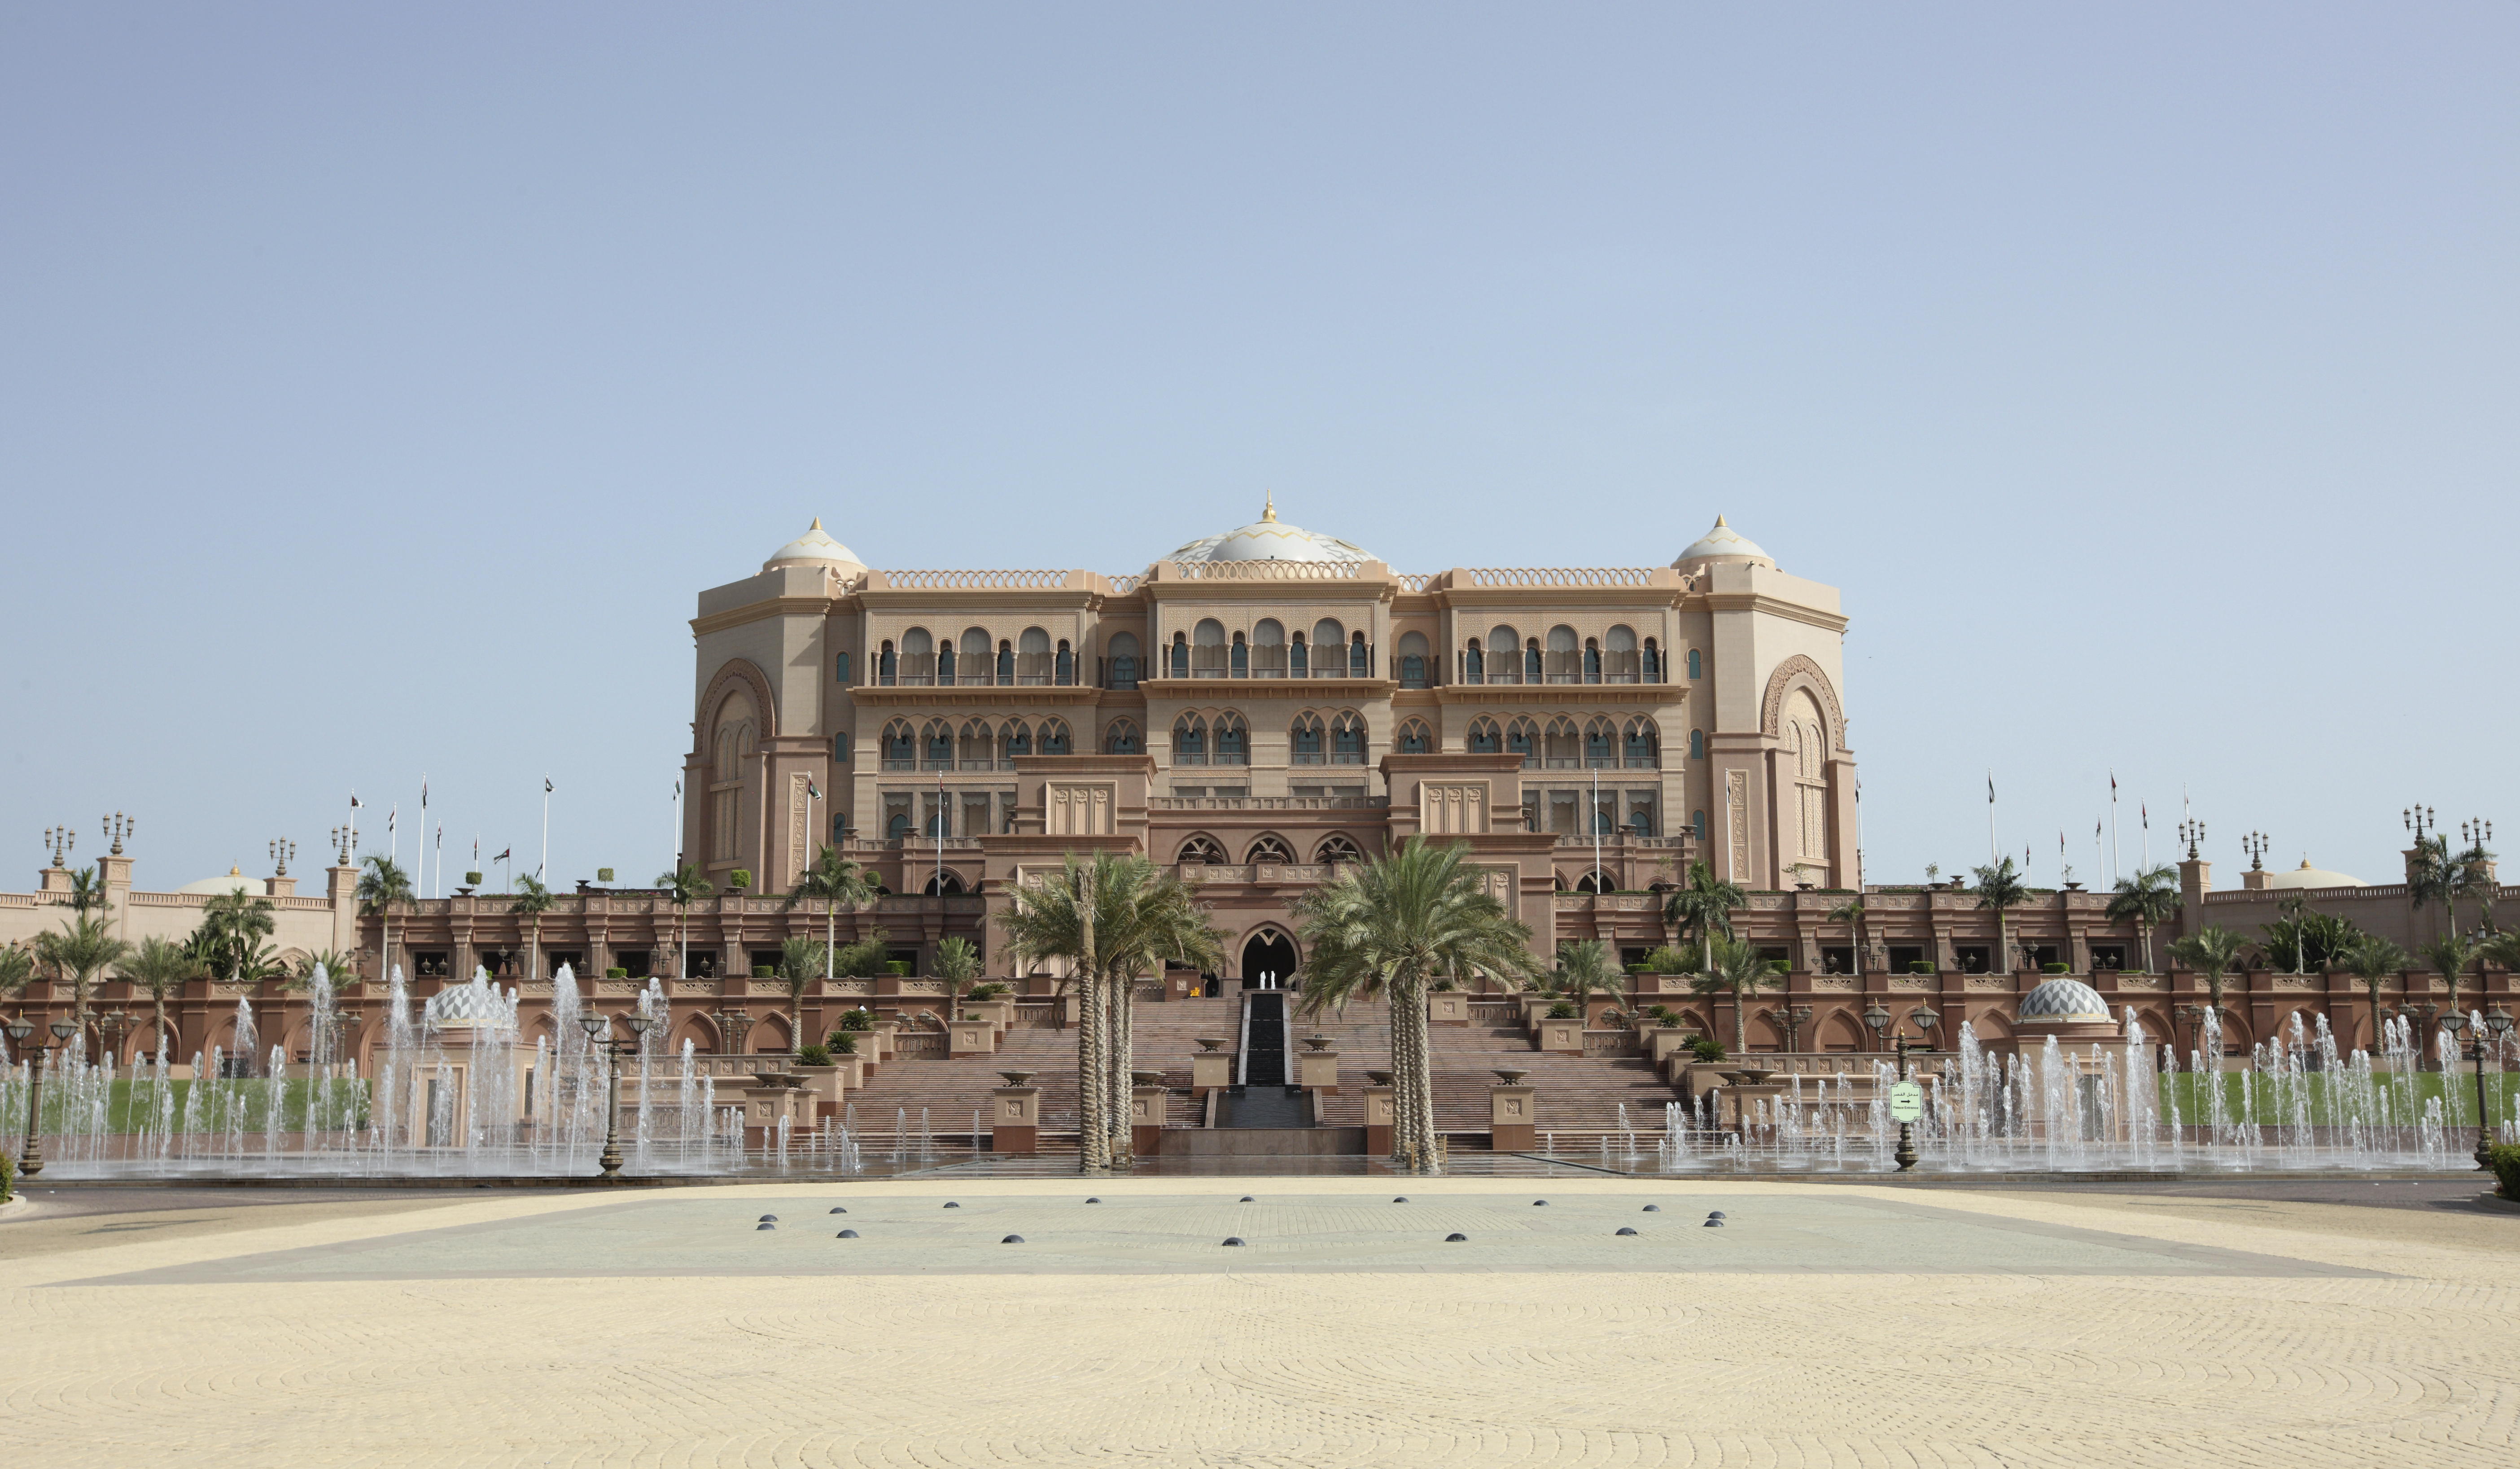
(378, 386)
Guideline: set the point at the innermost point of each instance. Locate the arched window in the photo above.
(1189, 740)
(1207, 652)
(1562, 748)
(1180, 656)
(732, 743)
(1269, 850)
(1522, 737)
(1641, 815)
(1359, 660)
(841, 747)
(899, 750)
(1240, 666)
(1328, 637)
(942, 884)
(1232, 740)
(1033, 662)
(1201, 851)
(978, 746)
(975, 661)
(1563, 665)
(1269, 649)
(1062, 668)
(917, 656)
(1304, 740)
(1414, 738)
(1693, 663)
(1015, 741)
(945, 662)
(1698, 825)
(1653, 662)
(1504, 664)
(1697, 744)
(1531, 668)
(1124, 660)
(840, 667)
(1054, 737)
(1473, 664)
(1619, 654)
(1412, 660)
(1298, 665)
(1591, 660)
(1642, 745)
(1600, 744)
(1336, 848)
(1485, 737)
(1347, 738)
(898, 827)
(936, 746)
(887, 665)
(1006, 661)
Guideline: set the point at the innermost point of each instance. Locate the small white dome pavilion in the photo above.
(815, 548)
(235, 881)
(2306, 876)
(1722, 546)
(2062, 999)
(1269, 538)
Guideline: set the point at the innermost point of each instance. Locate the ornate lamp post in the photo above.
(2191, 832)
(732, 1024)
(60, 840)
(2498, 1023)
(31, 1161)
(282, 849)
(116, 827)
(113, 1024)
(599, 1035)
(1878, 1017)
(2255, 845)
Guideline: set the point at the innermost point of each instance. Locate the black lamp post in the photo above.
(599, 1035)
(31, 1161)
(2498, 1023)
(1878, 1017)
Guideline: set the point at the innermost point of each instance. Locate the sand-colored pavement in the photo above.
(1824, 1325)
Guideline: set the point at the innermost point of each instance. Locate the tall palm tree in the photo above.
(958, 964)
(2373, 960)
(2210, 953)
(801, 961)
(1056, 921)
(1586, 969)
(339, 969)
(382, 884)
(1143, 916)
(2450, 956)
(87, 893)
(16, 970)
(835, 879)
(160, 966)
(2433, 876)
(533, 901)
(1707, 905)
(684, 886)
(1736, 967)
(1851, 913)
(2148, 899)
(1388, 928)
(83, 950)
(236, 924)
(2001, 886)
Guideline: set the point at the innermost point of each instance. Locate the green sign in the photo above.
(1907, 1101)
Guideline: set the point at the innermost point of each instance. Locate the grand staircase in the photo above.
(1574, 1096)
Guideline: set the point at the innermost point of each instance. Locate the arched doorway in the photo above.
(1268, 960)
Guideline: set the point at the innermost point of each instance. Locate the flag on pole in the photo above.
(503, 856)
(424, 792)
(354, 801)
(547, 785)
(1990, 788)
(813, 791)
(2145, 813)
(391, 813)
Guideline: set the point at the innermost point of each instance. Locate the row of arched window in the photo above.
(1602, 741)
(1330, 651)
(1506, 656)
(1030, 657)
(1204, 851)
(974, 745)
(1269, 651)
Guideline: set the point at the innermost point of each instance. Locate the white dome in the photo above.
(480, 1004)
(1269, 539)
(2061, 999)
(235, 881)
(1722, 544)
(2306, 876)
(814, 548)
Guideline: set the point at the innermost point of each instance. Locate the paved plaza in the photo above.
(1821, 1325)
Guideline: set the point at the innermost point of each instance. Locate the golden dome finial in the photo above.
(1269, 510)
(817, 526)
(1718, 519)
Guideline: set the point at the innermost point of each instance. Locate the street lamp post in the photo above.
(599, 1035)
(2498, 1022)
(113, 1026)
(31, 1161)
(1878, 1017)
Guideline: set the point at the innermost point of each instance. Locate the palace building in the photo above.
(1260, 705)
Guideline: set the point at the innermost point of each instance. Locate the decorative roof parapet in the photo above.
(933, 580)
(1262, 571)
(1573, 576)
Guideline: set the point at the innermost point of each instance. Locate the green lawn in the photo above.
(2272, 1103)
(131, 1106)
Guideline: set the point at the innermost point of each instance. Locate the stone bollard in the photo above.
(1563, 1037)
(1510, 1118)
(1448, 1007)
(1378, 1120)
(1211, 1068)
(971, 1037)
(1146, 1114)
(771, 1095)
(1317, 1071)
(829, 1087)
(1014, 1126)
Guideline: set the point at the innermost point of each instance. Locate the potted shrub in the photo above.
(1920, 966)
(2055, 967)
(471, 880)
(764, 972)
(900, 968)
(604, 874)
(616, 972)
(859, 1019)
(844, 1043)
(739, 880)
(814, 1055)
(1706, 1048)
(1561, 1010)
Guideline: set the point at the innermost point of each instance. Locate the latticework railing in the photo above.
(1563, 575)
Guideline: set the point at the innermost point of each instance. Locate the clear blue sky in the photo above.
(378, 384)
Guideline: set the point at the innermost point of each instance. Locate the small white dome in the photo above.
(480, 1004)
(814, 548)
(235, 881)
(2306, 876)
(1269, 539)
(2061, 999)
(1721, 544)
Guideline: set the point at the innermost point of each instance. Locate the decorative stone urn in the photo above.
(1378, 1078)
(1318, 1042)
(1511, 1075)
(1211, 1042)
(1756, 1075)
(1018, 1078)
(1147, 1078)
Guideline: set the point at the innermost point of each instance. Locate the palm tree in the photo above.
(1390, 926)
(1707, 905)
(2001, 886)
(1851, 913)
(2149, 898)
(16, 970)
(2450, 956)
(339, 969)
(1736, 967)
(1585, 969)
(958, 964)
(836, 879)
(161, 965)
(236, 922)
(2373, 960)
(83, 950)
(684, 886)
(2433, 876)
(87, 893)
(801, 961)
(533, 901)
(2210, 951)
(381, 885)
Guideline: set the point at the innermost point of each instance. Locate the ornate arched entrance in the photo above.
(1268, 960)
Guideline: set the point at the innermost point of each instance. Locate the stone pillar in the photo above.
(1317, 1071)
(1014, 1125)
(772, 1096)
(1146, 1118)
(1563, 1037)
(971, 1038)
(1448, 1007)
(342, 886)
(828, 1086)
(1377, 1120)
(1509, 1118)
(1211, 1071)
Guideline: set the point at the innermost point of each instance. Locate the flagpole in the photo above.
(2114, 877)
(676, 850)
(541, 875)
(424, 836)
(1992, 856)
(1597, 839)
